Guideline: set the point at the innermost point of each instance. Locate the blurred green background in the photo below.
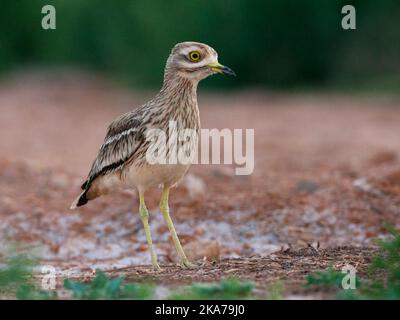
(280, 44)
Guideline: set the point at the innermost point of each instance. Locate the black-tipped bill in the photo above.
(219, 68)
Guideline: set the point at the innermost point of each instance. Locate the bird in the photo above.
(121, 162)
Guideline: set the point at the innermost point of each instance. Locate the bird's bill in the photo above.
(219, 68)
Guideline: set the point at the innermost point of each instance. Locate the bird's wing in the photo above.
(124, 136)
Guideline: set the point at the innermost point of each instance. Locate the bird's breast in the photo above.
(151, 176)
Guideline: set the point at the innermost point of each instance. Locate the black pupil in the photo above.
(195, 55)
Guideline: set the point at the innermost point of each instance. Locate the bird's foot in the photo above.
(156, 267)
(186, 264)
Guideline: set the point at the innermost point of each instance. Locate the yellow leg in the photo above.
(164, 208)
(144, 215)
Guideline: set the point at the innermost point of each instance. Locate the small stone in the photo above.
(307, 186)
(198, 250)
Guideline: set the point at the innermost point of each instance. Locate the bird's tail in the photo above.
(80, 200)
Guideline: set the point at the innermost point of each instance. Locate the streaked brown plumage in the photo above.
(121, 161)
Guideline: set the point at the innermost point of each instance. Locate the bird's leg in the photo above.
(164, 208)
(144, 215)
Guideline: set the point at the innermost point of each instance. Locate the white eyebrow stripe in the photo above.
(119, 136)
(186, 51)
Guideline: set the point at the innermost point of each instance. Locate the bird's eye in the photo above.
(194, 56)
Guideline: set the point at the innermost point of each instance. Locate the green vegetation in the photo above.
(279, 43)
(383, 280)
(17, 271)
(16, 281)
(104, 288)
(326, 279)
(16, 277)
(226, 289)
(30, 292)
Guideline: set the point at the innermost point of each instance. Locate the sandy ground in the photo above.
(327, 174)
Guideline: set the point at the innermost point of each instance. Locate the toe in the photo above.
(186, 264)
(156, 267)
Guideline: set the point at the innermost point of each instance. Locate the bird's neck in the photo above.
(178, 96)
(178, 92)
(177, 86)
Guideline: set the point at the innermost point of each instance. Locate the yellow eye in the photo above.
(194, 56)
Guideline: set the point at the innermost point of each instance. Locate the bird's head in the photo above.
(195, 61)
